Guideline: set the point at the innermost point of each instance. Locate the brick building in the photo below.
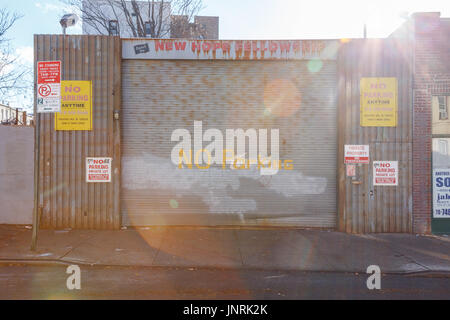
(203, 27)
(10, 115)
(431, 84)
(430, 35)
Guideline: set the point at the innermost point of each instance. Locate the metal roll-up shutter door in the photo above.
(162, 96)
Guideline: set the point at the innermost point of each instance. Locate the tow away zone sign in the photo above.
(98, 170)
(385, 173)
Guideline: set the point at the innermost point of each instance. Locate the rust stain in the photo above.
(273, 46)
(306, 47)
(255, 50)
(206, 47)
(226, 47)
(264, 49)
(296, 47)
(214, 51)
(247, 50)
(196, 48)
(238, 48)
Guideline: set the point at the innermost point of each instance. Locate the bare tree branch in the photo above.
(12, 73)
(7, 20)
(133, 16)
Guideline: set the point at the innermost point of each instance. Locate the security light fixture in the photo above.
(147, 28)
(68, 20)
(113, 28)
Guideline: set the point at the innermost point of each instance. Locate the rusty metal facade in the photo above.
(364, 208)
(67, 201)
(160, 96)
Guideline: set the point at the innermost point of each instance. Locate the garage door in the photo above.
(296, 97)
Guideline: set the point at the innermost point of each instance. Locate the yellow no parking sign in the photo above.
(76, 106)
(379, 102)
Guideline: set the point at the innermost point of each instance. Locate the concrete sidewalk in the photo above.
(274, 249)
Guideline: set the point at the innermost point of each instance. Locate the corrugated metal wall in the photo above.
(364, 208)
(162, 96)
(67, 200)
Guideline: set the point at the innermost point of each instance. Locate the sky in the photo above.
(246, 19)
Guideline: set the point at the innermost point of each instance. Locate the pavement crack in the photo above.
(75, 247)
(159, 247)
(399, 254)
(239, 247)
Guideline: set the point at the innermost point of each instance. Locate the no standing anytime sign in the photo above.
(49, 87)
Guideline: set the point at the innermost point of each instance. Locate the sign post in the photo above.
(48, 100)
(37, 147)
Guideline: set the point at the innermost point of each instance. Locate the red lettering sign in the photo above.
(49, 72)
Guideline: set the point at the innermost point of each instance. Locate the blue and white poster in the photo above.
(441, 193)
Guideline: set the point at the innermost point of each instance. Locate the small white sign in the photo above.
(351, 170)
(98, 170)
(356, 154)
(441, 193)
(385, 173)
(49, 98)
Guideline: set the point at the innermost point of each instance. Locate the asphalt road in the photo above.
(49, 282)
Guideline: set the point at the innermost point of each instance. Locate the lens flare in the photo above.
(174, 204)
(281, 98)
(315, 65)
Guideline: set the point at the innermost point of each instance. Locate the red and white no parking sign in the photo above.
(49, 86)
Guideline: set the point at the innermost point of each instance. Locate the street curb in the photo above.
(56, 262)
(50, 262)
